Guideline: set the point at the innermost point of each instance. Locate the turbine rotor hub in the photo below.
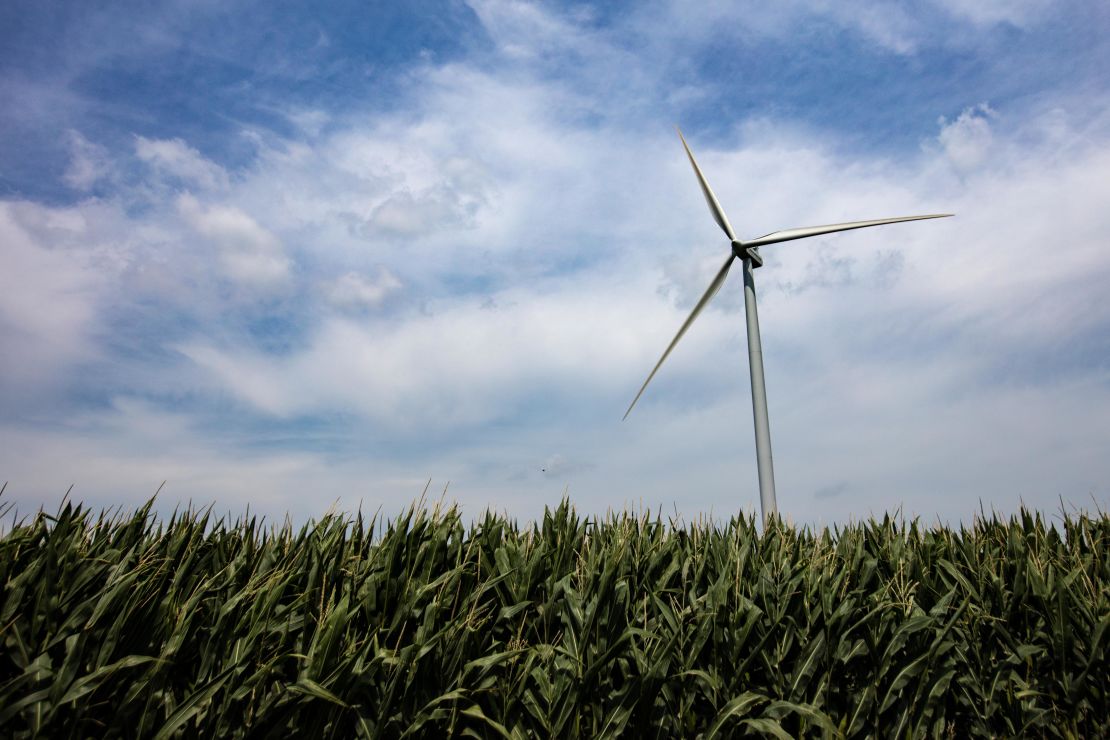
(751, 253)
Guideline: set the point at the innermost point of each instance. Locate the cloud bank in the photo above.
(469, 283)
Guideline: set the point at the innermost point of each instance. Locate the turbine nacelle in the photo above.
(741, 252)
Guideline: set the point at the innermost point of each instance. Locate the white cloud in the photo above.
(967, 140)
(524, 29)
(890, 26)
(548, 252)
(48, 298)
(88, 162)
(989, 12)
(463, 365)
(870, 372)
(896, 27)
(886, 23)
(121, 456)
(355, 291)
(405, 216)
(311, 121)
(904, 385)
(558, 467)
(249, 253)
(175, 158)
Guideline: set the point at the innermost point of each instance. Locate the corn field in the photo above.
(626, 625)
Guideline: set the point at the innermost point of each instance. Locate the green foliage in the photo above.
(569, 627)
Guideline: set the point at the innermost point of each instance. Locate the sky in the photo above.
(289, 257)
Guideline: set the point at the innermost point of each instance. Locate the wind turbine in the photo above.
(748, 253)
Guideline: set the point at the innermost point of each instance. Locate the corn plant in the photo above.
(624, 625)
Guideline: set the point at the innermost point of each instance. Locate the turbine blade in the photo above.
(802, 233)
(709, 293)
(714, 207)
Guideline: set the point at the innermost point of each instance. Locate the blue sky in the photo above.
(287, 256)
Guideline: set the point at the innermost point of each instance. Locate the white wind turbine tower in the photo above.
(748, 253)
